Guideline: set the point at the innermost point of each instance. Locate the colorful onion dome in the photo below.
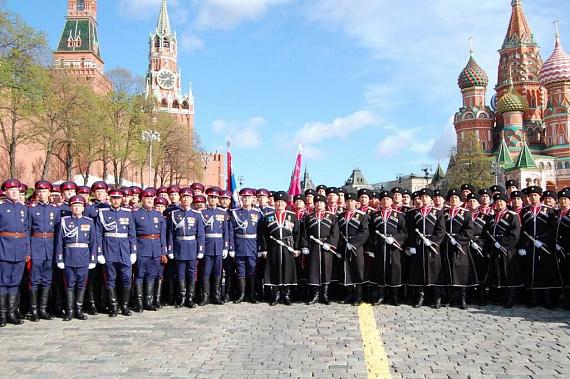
(556, 68)
(472, 75)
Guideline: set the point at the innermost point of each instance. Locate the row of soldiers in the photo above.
(383, 239)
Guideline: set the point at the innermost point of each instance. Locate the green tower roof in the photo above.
(525, 158)
(83, 36)
(439, 174)
(503, 156)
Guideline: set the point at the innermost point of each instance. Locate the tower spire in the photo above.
(518, 31)
(163, 25)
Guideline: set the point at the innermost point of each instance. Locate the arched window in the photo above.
(541, 166)
(157, 42)
(80, 6)
(567, 165)
(166, 42)
(559, 165)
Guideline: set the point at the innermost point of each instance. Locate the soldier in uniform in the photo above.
(563, 240)
(459, 266)
(76, 253)
(353, 226)
(160, 204)
(426, 260)
(169, 274)
(136, 199)
(55, 195)
(537, 245)
(485, 201)
(14, 250)
(228, 263)
(299, 208)
(118, 243)
(439, 200)
(162, 192)
(332, 200)
(279, 241)
(186, 241)
(397, 198)
(216, 247)
(505, 270)
(265, 204)
(550, 198)
(364, 200)
(375, 200)
(388, 233)
(517, 201)
(406, 198)
(511, 185)
(466, 189)
(321, 190)
(150, 226)
(43, 220)
(322, 226)
(310, 198)
(245, 222)
(198, 188)
(84, 191)
(477, 243)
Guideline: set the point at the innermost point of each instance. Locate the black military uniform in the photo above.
(563, 242)
(477, 245)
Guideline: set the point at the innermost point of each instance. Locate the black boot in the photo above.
(349, 292)
(447, 299)
(275, 291)
(395, 296)
(69, 304)
(191, 289)
(125, 296)
(43, 304)
(420, 294)
(113, 303)
(157, 293)
(90, 306)
(287, 295)
(79, 296)
(251, 289)
(3, 307)
(533, 299)
(34, 316)
(17, 312)
(227, 289)
(205, 292)
(139, 297)
(148, 295)
(11, 313)
(462, 300)
(58, 300)
(437, 297)
(357, 295)
(182, 294)
(217, 291)
(241, 285)
(313, 295)
(380, 299)
(483, 294)
(325, 294)
(511, 294)
(547, 299)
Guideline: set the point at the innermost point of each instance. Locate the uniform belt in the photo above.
(149, 236)
(249, 236)
(42, 235)
(214, 235)
(117, 235)
(13, 235)
(185, 238)
(76, 245)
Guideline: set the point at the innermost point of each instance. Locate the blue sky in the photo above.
(361, 83)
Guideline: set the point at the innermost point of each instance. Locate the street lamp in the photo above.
(426, 169)
(240, 180)
(150, 136)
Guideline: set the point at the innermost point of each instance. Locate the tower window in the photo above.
(166, 42)
(80, 6)
(157, 42)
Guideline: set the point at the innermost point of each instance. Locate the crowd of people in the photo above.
(68, 250)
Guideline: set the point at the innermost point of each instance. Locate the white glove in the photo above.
(350, 246)
(232, 253)
(296, 253)
(498, 245)
(201, 255)
(453, 241)
(101, 259)
(305, 251)
(370, 254)
(522, 252)
(413, 251)
(92, 266)
(170, 256)
(390, 240)
(133, 258)
(558, 247)
(259, 254)
(264, 254)
(61, 265)
(224, 254)
(428, 243)
(538, 244)
(326, 246)
(475, 246)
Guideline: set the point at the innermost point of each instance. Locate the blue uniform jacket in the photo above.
(76, 241)
(216, 231)
(117, 234)
(64, 209)
(92, 210)
(149, 222)
(185, 234)
(44, 218)
(14, 219)
(244, 228)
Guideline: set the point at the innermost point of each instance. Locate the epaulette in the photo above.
(126, 209)
(259, 211)
(64, 217)
(194, 210)
(512, 212)
(359, 211)
(268, 214)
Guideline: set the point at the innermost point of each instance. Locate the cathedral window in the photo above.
(561, 139)
(184, 104)
(567, 165)
(559, 166)
(80, 6)
(157, 42)
(166, 42)
(541, 166)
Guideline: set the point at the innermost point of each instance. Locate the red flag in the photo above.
(295, 186)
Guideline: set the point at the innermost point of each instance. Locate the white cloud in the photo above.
(227, 14)
(142, 8)
(190, 42)
(242, 134)
(442, 145)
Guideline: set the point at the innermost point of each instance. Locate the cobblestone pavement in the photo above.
(258, 341)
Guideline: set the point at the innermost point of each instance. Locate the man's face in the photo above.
(186, 201)
(135, 199)
(517, 202)
(320, 206)
(375, 202)
(398, 198)
(100, 194)
(364, 200)
(534, 198)
(473, 205)
(310, 199)
(199, 206)
(116, 201)
(351, 204)
(127, 200)
(406, 199)
(262, 200)
(455, 201)
(550, 201)
(213, 201)
(485, 200)
(148, 202)
(426, 200)
(332, 198)
(247, 200)
(85, 196)
(465, 192)
(321, 192)
(341, 198)
(225, 202)
(68, 194)
(417, 202)
(42, 195)
(13, 194)
(174, 197)
(299, 204)
(270, 201)
(511, 189)
(438, 201)
(386, 202)
(77, 209)
(197, 191)
(280, 205)
(564, 202)
(164, 194)
(159, 207)
(501, 205)
(22, 197)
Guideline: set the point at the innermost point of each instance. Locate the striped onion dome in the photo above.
(472, 75)
(556, 68)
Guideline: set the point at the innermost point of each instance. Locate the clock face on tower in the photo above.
(166, 79)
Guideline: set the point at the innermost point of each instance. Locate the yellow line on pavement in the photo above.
(376, 359)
